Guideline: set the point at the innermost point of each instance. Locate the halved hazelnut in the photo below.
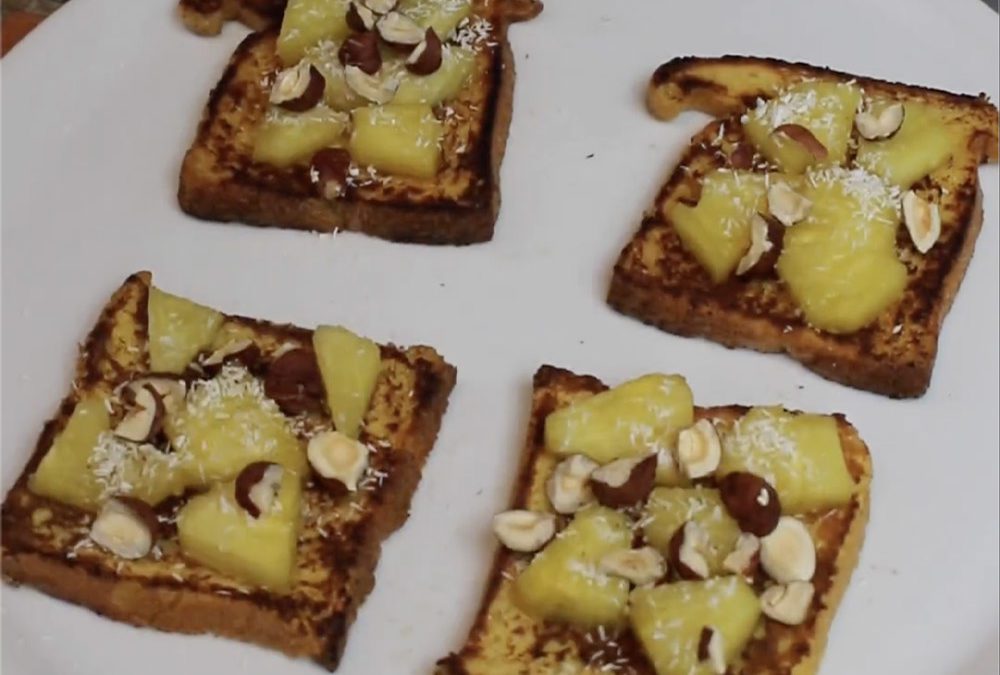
(567, 486)
(382, 6)
(328, 170)
(125, 526)
(876, 127)
(624, 482)
(257, 487)
(359, 17)
(524, 531)
(923, 220)
(751, 501)
(377, 90)
(145, 419)
(361, 50)
(699, 449)
(220, 355)
(788, 553)
(172, 390)
(710, 648)
(298, 88)
(788, 604)
(785, 204)
(744, 559)
(400, 31)
(742, 156)
(639, 566)
(803, 137)
(426, 56)
(767, 236)
(336, 457)
(294, 382)
(687, 551)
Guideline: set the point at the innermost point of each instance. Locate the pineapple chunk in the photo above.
(401, 139)
(227, 423)
(441, 15)
(668, 509)
(136, 469)
(562, 583)
(337, 95)
(215, 531)
(799, 454)
(285, 138)
(350, 366)
(717, 231)
(633, 419)
(457, 64)
(668, 621)
(840, 263)
(309, 22)
(921, 145)
(63, 473)
(178, 330)
(826, 109)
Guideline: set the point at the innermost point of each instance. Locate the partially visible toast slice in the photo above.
(45, 543)
(505, 639)
(657, 281)
(220, 180)
(206, 17)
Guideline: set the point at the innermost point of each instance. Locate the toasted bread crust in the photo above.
(502, 635)
(309, 622)
(219, 181)
(893, 356)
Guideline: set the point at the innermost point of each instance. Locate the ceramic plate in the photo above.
(100, 105)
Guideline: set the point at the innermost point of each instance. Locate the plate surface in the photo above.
(101, 103)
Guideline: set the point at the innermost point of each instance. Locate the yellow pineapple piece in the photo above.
(217, 532)
(228, 422)
(350, 366)
(400, 139)
(717, 230)
(441, 15)
(178, 330)
(336, 94)
(826, 109)
(667, 509)
(563, 582)
(457, 64)
(285, 138)
(922, 144)
(668, 620)
(309, 22)
(137, 469)
(636, 418)
(63, 473)
(799, 454)
(840, 263)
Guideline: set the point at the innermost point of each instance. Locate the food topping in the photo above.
(624, 482)
(126, 527)
(751, 501)
(257, 487)
(923, 221)
(524, 531)
(788, 603)
(639, 566)
(334, 456)
(567, 487)
(788, 553)
(876, 127)
(699, 449)
(298, 88)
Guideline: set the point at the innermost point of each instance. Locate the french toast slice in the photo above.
(46, 544)
(206, 17)
(657, 280)
(504, 638)
(221, 180)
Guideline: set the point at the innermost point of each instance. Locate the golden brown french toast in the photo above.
(509, 634)
(676, 277)
(383, 187)
(287, 570)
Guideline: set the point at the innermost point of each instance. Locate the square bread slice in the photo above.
(221, 180)
(657, 280)
(46, 542)
(506, 639)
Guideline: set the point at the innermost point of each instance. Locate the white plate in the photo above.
(101, 103)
